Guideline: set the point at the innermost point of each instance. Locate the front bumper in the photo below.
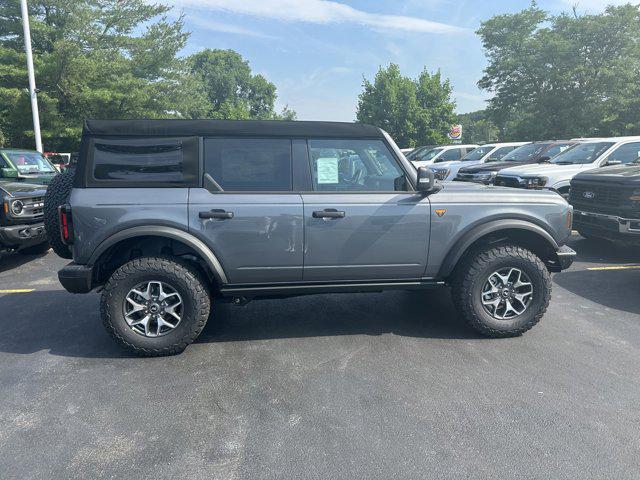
(76, 278)
(19, 236)
(563, 259)
(608, 226)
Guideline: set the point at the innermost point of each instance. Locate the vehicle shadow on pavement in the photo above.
(426, 314)
(616, 289)
(69, 325)
(604, 252)
(15, 260)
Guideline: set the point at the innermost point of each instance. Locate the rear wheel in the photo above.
(155, 306)
(57, 194)
(502, 291)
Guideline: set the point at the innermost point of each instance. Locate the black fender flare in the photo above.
(169, 232)
(479, 231)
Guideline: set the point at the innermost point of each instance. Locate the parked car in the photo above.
(418, 150)
(59, 160)
(21, 218)
(25, 165)
(556, 175)
(491, 152)
(407, 151)
(606, 202)
(445, 153)
(527, 154)
(166, 216)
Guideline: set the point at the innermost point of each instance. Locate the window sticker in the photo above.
(563, 148)
(327, 169)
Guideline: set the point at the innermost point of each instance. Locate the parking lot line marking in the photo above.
(19, 290)
(620, 267)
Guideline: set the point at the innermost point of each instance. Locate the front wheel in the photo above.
(502, 291)
(155, 306)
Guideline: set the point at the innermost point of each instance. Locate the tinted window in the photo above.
(449, 155)
(139, 160)
(249, 165)
(354, 165)
(582, 153)
(499, 153)
(627, 153)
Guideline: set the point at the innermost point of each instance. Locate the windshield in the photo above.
(428, 155)
(525, 153)
(30, 162)
(582, 153)
(417, 151)
(478, 153)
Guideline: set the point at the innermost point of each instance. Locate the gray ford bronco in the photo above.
(166, 216)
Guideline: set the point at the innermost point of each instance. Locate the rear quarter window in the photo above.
(144, 161)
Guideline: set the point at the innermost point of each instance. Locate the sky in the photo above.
(317, 52)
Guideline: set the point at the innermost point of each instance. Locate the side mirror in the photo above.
(8, 173)
(610, 163)
(426, 180)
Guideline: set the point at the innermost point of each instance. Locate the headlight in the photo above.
(441, 173)
(534, 182)
(17, 207)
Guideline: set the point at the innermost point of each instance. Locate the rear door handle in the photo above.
(216, 213)
(328, 213)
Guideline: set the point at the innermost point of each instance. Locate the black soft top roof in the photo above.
(257, 128)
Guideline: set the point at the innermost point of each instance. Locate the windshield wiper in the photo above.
(563, 163)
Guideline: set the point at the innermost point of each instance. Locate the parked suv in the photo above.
(21, 218)
(556, 175)
(531, 153)
(166, 216)
(445, 153)
(491, 152)
(25, 165)
(607, 202)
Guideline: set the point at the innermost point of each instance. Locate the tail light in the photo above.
(66, 224)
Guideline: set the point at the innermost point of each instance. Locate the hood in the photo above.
(626, 174)
(490, 167)
(21, 189)
(445, 164)
(542, 169)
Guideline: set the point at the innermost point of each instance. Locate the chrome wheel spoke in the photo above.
(153, 308)
(506, 293)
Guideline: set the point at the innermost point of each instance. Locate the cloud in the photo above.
(319, 12)
(225, 27)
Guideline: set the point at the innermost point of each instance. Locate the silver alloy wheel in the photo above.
(507, 293)
(153, 308)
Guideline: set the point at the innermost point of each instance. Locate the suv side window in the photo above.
(140, 161)
(354, 165)
(249, 164)
(626, 153)
(452, 154)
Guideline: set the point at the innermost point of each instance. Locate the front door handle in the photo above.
(216, 213)
(328, 213)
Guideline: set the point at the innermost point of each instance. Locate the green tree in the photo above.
(565, 75)
(477, 127)
(414, 112)
(232, 89)
(93, 58)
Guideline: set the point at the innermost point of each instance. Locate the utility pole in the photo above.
(32, 78)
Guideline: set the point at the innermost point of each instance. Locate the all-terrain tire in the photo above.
(37, 249)
(472, 274)
(183, 277)
(57, 194)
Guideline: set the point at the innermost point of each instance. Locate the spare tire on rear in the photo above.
(57, 194)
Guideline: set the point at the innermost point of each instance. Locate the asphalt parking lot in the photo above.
(379, 386)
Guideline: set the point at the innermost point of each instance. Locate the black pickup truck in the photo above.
(606, 203)
(21, 218)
